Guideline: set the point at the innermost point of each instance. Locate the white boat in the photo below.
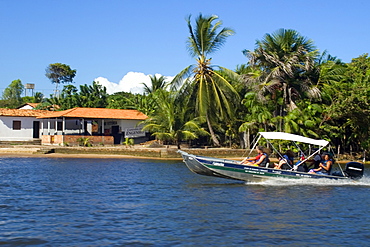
(232, 169)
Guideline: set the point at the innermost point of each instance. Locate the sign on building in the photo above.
(134, 132)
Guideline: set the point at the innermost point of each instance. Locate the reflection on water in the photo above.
(127, 202)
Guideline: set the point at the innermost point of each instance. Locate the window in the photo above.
(16, 125)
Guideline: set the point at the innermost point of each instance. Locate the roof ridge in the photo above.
(67, 111)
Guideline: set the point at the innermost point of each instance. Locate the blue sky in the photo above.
(121, 42)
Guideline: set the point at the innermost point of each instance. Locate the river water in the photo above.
(137, 202)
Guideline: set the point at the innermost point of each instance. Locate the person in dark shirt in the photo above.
(325, 165)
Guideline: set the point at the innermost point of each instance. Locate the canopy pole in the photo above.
(299, 148)
(254, 145)
(340, 167)
(303, 161)
(281, 156)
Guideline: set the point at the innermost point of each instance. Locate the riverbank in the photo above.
(168, 152)
(137, 152)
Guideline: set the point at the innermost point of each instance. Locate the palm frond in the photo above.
(179, 79)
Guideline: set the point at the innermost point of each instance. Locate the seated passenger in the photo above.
(286, 161)
(260, 160)
(315, 162)
(325, 165)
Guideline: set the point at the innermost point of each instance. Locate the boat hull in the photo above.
(231, 169)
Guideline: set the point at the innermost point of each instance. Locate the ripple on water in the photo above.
(119, 202)
(23, 242)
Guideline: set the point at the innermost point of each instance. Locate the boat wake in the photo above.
(364, 181)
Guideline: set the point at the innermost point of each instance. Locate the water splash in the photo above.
(364, 181)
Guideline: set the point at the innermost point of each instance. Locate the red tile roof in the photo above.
(104, 113)
(21, 112)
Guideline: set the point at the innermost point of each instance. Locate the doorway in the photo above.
(36, 129)
(117, 136)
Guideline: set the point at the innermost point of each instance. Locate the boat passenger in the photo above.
(260, 160)
(286, 161)
(317, 159)
(325, 165)
(315, 162)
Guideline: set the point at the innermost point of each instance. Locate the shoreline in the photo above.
(114, 152)
(122, 152)
(79, 156)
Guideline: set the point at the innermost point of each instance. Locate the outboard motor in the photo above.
(354, 170)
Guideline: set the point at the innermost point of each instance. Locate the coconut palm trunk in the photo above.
(212, 133)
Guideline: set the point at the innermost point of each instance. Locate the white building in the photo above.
(20, 124)
(101, 125)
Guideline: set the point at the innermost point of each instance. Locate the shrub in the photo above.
(84, 141)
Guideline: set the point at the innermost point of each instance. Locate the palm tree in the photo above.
(331, 72)
(172, 122)
(286, 60)
(157, 83)
(144, 103)
(259, 115)
(94, 95)
(38, 97)
(208, 85)
(69, 97)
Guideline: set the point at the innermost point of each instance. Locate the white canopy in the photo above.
(292, 137)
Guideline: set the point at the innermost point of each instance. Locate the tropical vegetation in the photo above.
(286, 84)
(60, 73)
(209, 87)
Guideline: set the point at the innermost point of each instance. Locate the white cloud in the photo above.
(131, 82)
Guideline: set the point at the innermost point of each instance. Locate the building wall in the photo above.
(24, 134)
(74, 127)
(27, 107)
(71, 127)
(73, 140)
(123, 124)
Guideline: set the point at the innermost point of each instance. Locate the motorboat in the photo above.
(232, 169)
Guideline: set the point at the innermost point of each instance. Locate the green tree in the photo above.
(66, 100)
(37, 98)
(12, 94)
(286, 60)
(255, 114)
(156, 83)
(94, 95)
(120, 100)
(331, 73)
(259, 115)
(144, 103)
(211, 92)
(60, 73)
(345, 118)
(172, 122)
(69, 98)
(52, 104)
